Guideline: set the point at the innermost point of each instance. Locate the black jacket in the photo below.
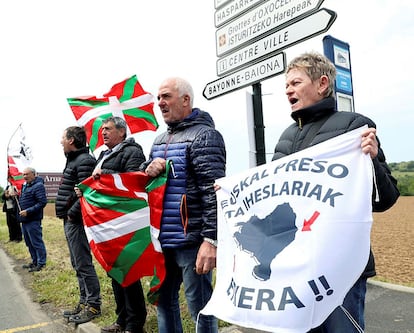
(127, 158)
(329, 123)
(79, 166)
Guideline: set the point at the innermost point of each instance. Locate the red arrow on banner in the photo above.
(307, 224)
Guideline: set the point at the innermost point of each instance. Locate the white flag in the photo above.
(18, 147)
(293, 237)
(19, 156)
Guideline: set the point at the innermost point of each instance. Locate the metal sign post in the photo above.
(259, 124)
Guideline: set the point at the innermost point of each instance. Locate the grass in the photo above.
(398, 173)
(56, 285)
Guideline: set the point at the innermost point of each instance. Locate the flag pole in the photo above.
(13, 135)
(8, 167)
(15, 196)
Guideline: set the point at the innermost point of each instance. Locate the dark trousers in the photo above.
(130, 306)
(15, 231)
(354, 303)
(81, 259)
(33, 237)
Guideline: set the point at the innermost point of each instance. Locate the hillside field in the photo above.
(392, 242)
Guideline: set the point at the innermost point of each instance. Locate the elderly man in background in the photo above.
(31, 204)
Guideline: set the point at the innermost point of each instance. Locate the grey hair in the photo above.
(315, 65)
(184, 88)
(32, 170)
(118, 122)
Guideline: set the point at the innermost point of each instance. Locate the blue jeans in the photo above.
(180, 265)
(33, 237)
(354, 303)
(81, 259)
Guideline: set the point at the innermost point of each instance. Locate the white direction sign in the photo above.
(308, 27)
(231, 10)
(261, 19)
(219, 3)
(247, 76)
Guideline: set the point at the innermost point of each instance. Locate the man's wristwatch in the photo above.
(211, 241)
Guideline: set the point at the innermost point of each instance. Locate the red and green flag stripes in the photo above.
(126, 99)
(14, 175)
(122, 223)
(156, 190)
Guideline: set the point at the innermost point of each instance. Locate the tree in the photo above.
(406, 185)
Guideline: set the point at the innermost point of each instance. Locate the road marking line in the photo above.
(25, 328)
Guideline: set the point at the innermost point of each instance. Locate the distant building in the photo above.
(52, 182)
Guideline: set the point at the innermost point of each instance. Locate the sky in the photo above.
(52, 50)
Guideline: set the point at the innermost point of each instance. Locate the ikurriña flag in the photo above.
(19, 156)
(293, 236)
(121, 214)
(126, 99)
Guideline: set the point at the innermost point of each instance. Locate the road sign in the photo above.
(219, 3)
(296, 32)
(260, 20)
(257, 72)
(232, 10)
(339, 53)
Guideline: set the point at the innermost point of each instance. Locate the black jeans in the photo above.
(130, 306)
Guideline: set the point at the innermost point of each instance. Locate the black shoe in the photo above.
(88, 313)
(36, 268)
(77, 309)
(113, 328)
(29, 266)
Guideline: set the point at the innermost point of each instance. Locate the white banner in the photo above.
(293, 237)
(18, 149)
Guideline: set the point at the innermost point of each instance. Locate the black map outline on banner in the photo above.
(266, 238)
